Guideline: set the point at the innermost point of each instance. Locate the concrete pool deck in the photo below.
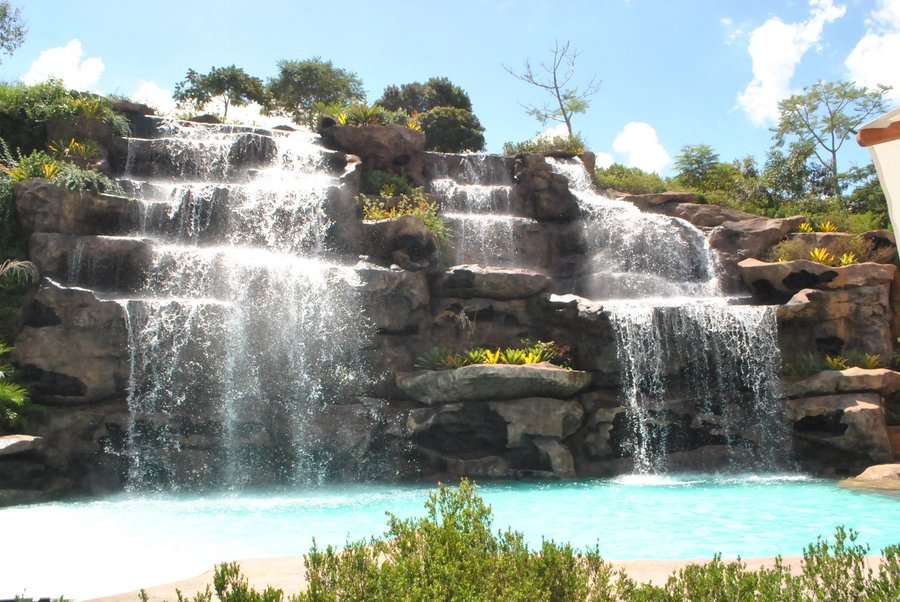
(289, 574)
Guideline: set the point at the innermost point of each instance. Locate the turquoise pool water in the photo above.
(89, 549)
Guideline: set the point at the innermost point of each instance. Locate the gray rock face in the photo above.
(885, 382)
(46, 207)
(547, 192)
(393, 299)
(102, 263)
(538, 416)
(467, 281)
(384, 147)
(74, 344)
(493, 381)
(404, 241)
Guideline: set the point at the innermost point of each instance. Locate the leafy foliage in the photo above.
(696, 164)
(13, 396)
(528, 352)
(451, 130)
(632, 180)
(843, 251)
(303, 89)
(12, 30)
(824, 117)
(542, 144)
(416, 98)
(416, 204)
(233, 85)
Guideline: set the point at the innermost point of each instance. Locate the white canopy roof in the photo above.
(882, 137)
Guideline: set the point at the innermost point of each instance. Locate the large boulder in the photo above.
(538, 416)
(405, 241)
(853, 424)
(545, 192)
(393, 299)
(785, 278)
(46, 207)
(393, 147)
(493, 381)
(105, 263)
(828, 382)
(74, 345)
(467, 281)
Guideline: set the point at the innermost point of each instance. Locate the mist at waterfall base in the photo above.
(102, 547)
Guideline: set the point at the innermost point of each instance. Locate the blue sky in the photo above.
(672, 72)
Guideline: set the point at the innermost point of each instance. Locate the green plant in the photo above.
(869, 361)
(573, 144)
(491, 357)
(13, 396)
(21, 271)
(416, 205)
(821, 255)
(827, 226)
(475, 356)
(836, 362)
(632, 180)
(451, 130)
(511, 355)
(77, 179)
(374, 181)
(805, 227)
(849, 258)
(805, 365)
(360, 113)
(82, 151)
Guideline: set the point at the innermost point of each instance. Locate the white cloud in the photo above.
(559, 129)
(640, 144)
(604, 160)
(68, 64)
(874, 59)
(151, 93)
(776, 48)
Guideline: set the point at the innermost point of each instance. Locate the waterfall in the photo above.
(679, 341)
(478, 206)
(244, 328)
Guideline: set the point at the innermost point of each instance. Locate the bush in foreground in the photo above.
(452, 554)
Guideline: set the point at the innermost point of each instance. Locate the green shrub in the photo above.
(632, 180)
(805, 365)
(451, 130)
(374, 181)
(529, 352)
(79, 179)
(452, 554)
(13, 396)
(389, 206)
(792, 249)
(567, 144)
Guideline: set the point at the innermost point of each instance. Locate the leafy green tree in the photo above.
(451, 130)
(867, 196)
(12, 30)
(555, 79)
(825, 116)
(302, 88)
(232, 84)
(632, 180)
(695, 164)
(419, 98)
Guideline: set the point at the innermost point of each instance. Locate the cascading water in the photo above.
(678, 339)
(242, 329)
(477, 204)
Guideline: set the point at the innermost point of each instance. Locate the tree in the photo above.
(12, 30)
(825, 116)
(451, 130)
(419, 98)
(695, 164)
(302, 88)
(555, 79)
(232, 84)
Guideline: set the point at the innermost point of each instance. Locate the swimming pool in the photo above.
(93, 548)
